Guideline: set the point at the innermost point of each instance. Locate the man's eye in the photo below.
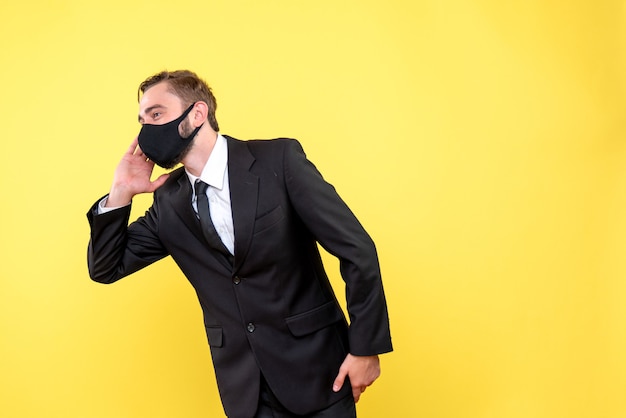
(156, 115)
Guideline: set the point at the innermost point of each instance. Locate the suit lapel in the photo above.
(244, 190)
(181, 202)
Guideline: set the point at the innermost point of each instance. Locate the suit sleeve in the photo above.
(117, 249)
(340, 233)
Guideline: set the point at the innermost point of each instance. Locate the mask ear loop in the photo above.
(186, 112)
(184, 115)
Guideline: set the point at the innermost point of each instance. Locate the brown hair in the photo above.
(188, 87)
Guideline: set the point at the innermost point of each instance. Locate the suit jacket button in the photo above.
(236, 280)
(251, 327)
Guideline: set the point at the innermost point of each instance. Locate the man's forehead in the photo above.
(159, 93)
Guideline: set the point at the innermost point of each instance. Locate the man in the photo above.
(242, 220)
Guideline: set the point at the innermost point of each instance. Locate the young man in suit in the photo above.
(242, 219)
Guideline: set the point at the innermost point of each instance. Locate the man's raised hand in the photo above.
(132, 177)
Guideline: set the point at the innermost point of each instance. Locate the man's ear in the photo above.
(199, 113)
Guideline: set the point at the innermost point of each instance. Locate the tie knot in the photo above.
(201, 187)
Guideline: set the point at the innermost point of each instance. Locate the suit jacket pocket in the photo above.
(315, 319)
(214, 334)
(269, 219)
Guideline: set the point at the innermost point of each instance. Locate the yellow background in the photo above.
(481, 143)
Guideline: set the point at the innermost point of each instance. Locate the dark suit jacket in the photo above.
(272, 311)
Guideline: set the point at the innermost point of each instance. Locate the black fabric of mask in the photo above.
(163, 143)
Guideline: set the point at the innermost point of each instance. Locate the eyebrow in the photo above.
(150, 109)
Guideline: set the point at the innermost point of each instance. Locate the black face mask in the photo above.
(163, 143)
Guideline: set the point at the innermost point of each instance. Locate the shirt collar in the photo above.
(214, 170)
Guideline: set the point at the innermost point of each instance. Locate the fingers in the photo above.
(357, 391)
(362, 371)
(134, 153)
(356, 394)
(135, 150)
(133, 146)
(159, 182)
(338, 384)
(340, 380)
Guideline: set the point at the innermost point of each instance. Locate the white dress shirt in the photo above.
(215, 174)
